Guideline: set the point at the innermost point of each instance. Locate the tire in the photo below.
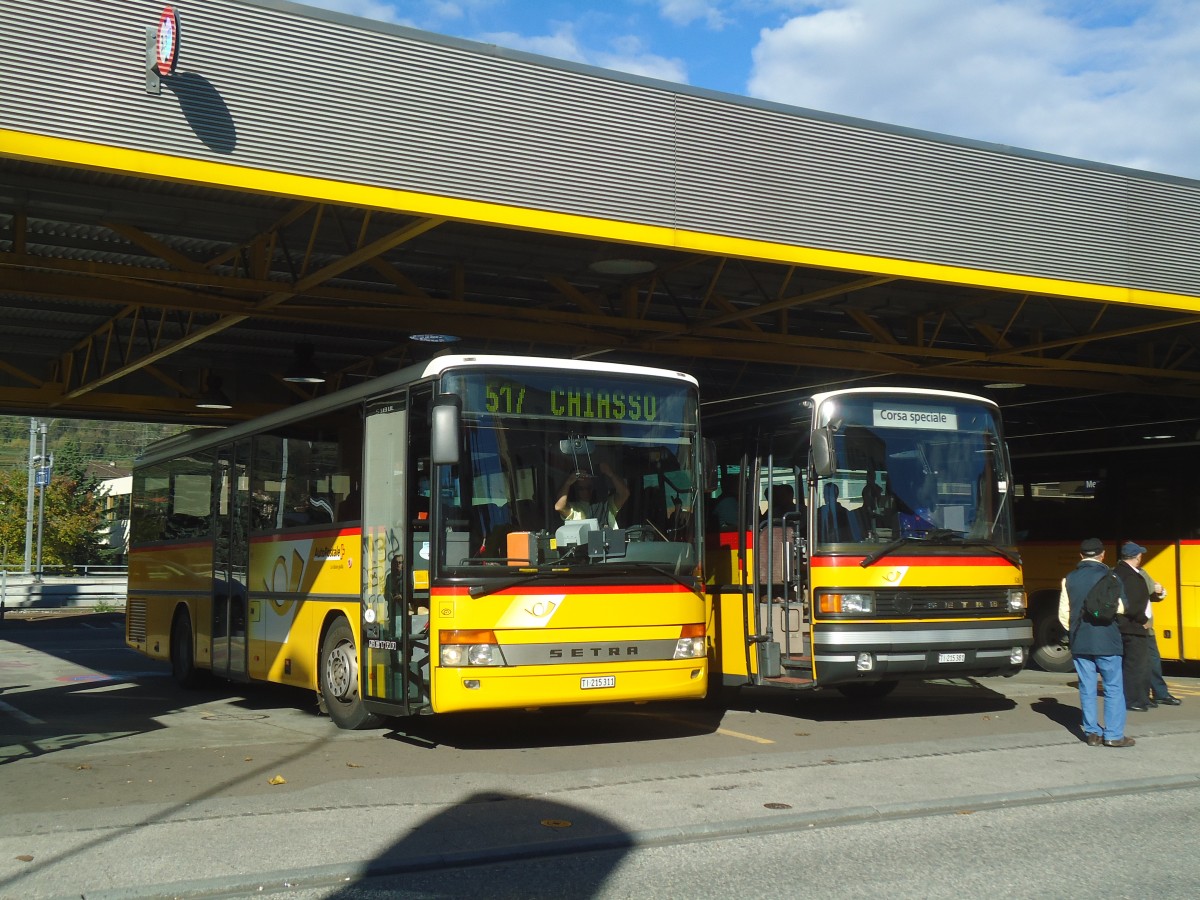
(1050, 652)
(339, 696)
(870, 690)
(183, 652)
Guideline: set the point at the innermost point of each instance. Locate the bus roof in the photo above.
(818, 399)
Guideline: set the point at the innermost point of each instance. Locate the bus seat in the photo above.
(779, 538)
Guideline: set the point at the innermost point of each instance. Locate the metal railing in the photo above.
(84, 570)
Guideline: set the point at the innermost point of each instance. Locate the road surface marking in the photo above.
(744, 737)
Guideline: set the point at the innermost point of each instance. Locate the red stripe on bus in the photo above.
(572, 589)
(914, 561)
(305, 535)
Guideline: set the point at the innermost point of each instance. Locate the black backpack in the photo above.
(1103, 601)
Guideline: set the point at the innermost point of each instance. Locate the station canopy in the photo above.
(241, 222)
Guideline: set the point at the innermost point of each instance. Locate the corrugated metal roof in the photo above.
(789, 248)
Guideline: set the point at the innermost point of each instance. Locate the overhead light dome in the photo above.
(305, 369)
(622, 266)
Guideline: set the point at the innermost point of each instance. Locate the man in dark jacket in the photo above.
(1096, 650)
(1132, 623)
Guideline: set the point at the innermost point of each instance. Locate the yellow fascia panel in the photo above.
(41, 148)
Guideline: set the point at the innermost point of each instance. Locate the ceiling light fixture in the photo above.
(305, 369)
(212, 397)
(622, 266)
(433, 338)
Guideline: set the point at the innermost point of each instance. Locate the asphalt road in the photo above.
(117, 783)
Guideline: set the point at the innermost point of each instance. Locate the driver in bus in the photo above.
(587, 496)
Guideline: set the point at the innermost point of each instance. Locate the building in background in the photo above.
(115, 487)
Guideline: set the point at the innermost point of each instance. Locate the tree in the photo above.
(73, 514)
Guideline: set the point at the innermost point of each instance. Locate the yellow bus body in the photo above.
(296, 584)
(598, 624)
(973, 626)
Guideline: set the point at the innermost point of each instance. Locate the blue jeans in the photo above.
(1109, 669)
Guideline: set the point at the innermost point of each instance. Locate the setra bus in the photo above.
(396, 546)
(867, 541)
(1148, 494)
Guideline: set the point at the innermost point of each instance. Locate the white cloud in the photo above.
(628, 54)
(1019, 72)
(368, 9)
(561, 44)
(428, 14)
(685, 12)
(624, 53)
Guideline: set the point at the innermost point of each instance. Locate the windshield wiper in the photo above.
(478, 590)
(944, 536)
(871, 558)
(1014, 558)
(947, 536)
(660, 569)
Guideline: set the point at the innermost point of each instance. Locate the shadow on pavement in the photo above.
(1060, 714)
(910, 700)
(492, 844)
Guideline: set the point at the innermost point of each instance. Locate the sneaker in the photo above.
(1123, 742)
(1093, 740)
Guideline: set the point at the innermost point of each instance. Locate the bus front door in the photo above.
(395, 632)
(230, 557)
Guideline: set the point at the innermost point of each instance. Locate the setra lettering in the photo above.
(593, 652)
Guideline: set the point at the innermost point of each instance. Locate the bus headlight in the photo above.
(453, 656)
(857, 602)
(483, 655)
(469, 648)
(1016, 600)
(691, 642)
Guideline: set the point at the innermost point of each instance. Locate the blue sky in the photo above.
(1114, 81)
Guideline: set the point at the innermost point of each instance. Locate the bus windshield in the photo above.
(923, 468)
(569, 471)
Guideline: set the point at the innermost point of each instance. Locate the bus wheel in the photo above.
(339, 679)
(183, 652)
(872, 690)
(1050, 651)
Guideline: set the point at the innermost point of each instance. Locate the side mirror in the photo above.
(821, 453)
(444, 441)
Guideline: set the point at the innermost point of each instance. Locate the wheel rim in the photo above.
(341, 671)
(1050, 644)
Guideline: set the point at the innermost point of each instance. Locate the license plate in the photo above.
(952, 657)
(600, 681)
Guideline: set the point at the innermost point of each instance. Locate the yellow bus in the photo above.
(396, 546)
(1148, 494)
(865, 538)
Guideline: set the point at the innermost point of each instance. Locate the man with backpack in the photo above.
(1087, 606)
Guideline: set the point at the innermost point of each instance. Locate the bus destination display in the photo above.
(573, 401)
(903, 415)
